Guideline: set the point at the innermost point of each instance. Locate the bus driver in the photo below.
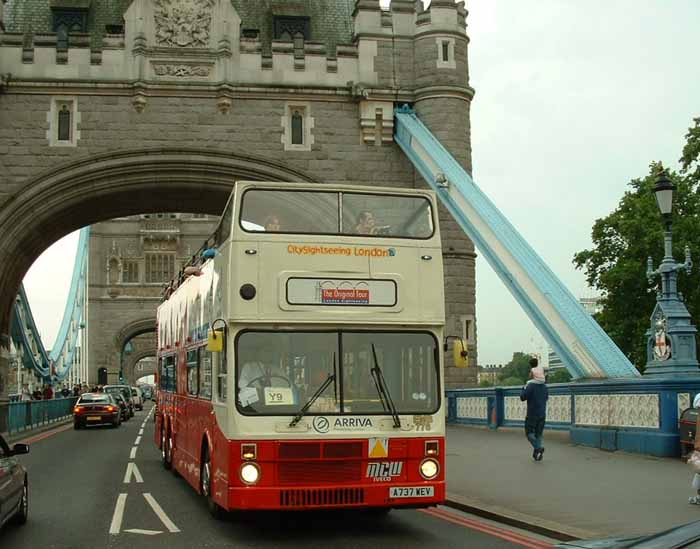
(258, 373)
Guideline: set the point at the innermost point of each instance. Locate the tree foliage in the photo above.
(560, 376)
(516, 372)
(622, 241)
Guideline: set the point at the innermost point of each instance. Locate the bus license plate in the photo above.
(411, 492)
(94, 418)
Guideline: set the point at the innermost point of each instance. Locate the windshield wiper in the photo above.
(383, 390)
(314, 397)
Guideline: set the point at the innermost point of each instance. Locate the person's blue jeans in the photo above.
(534, 427)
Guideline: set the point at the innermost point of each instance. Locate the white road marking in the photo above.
(144, 532)
(137, 441)
(141, 431)
(161, 514)
(116, 525)
(132, 470)
(132, 455)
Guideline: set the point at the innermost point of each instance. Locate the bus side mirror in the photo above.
(215, 341)
(459, 351)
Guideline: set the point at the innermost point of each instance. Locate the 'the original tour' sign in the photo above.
(340, 291)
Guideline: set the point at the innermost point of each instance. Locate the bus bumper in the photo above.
(408, 494)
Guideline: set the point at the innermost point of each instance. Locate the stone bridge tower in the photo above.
(131, 258)
(113, 109)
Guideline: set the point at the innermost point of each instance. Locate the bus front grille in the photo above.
(321, 497)
(319, 472)
(343, 450)
(299, 450)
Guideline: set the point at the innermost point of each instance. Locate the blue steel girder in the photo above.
(585, 349)
(64, 347)
(25, 335)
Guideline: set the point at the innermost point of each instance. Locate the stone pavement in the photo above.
(584, 492)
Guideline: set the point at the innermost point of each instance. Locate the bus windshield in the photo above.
(336, 213)
(278, 372)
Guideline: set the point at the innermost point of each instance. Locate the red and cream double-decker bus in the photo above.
(300, 353)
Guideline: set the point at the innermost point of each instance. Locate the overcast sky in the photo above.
(573, 99)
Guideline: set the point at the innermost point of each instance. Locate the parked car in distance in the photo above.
(146, 392)
(14, 493)
(125, 391)
(123, 406)
(96, 409)
(137, 397)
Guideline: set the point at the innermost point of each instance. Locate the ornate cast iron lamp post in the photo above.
(671, 346)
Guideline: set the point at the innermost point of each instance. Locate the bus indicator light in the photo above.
(432, 447)
(249, 451)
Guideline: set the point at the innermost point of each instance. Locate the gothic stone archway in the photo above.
(104, 186)
(112, 185)
(130, 363)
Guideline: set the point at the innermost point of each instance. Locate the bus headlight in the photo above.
(250, 473)
(429, 469)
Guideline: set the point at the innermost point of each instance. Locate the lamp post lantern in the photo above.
(671, 346)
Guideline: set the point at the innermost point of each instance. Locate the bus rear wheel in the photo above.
(215, 510)
(166, 451)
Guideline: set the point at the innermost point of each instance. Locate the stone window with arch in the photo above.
(130, 271)
(292, 28)
(160, 267)
(446, 53)
(297, 124)
(65, 22)
(63, 118)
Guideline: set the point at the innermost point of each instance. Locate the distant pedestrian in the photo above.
(536, 394)
(26, 395)
(695, 483)
(36, 394)
(76, 390)
(48, 392)
(65, 392)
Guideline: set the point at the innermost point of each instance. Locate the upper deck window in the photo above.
(310, 212)
(392, 216)
(290, 211)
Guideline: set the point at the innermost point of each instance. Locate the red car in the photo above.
(96, 409)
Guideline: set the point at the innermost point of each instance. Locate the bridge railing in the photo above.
(36, 413)
(634, 415)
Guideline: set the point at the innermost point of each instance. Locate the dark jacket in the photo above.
(536, 395)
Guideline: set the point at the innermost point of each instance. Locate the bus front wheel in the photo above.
(215, 509)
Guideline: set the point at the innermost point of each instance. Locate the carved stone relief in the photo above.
(181, 70)
(183, 23)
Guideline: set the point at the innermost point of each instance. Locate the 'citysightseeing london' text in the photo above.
(341, 250)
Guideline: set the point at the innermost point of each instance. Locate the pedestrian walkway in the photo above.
(585, 491)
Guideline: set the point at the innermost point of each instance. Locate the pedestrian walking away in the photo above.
(536, 394)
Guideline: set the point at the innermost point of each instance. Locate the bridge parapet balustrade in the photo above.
(635, 415)
(160, 226)
(31, 414)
